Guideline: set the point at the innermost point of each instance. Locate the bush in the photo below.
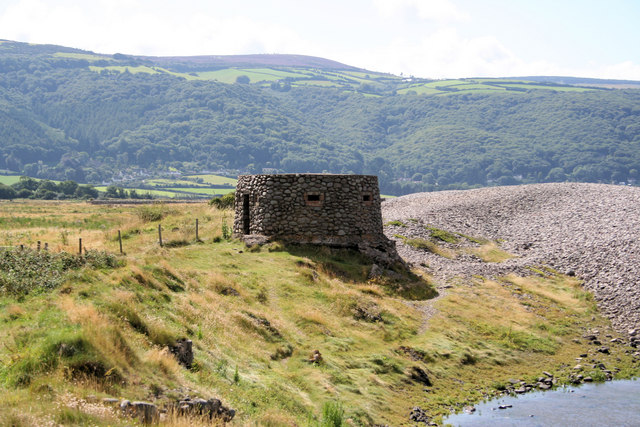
(26, 270)
(152, 213)
(225, 202)
(7, 192)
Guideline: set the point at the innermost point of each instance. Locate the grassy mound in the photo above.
(285, 335)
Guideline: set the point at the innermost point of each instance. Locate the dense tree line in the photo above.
(29, 188)
(60, 120)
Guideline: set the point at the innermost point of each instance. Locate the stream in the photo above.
(615, 403)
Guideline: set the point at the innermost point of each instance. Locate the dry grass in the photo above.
(491, 252)
(163, 360)
(290, 302)
(431, 247)
(14, 311)
(566, 292)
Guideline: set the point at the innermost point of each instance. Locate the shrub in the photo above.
(225, 202)
(26, 270)
(332, 414)
(152, 213)
(226, 230)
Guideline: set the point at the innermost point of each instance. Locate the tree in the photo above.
(86, 192)
(243, 79)
(111, 192)
(68, 187)
(26, 183)
(6, 192)
(556, 175)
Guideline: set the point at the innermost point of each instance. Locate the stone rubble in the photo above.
(150, 413)
(588, 230)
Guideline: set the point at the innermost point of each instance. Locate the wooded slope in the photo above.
(68, 114)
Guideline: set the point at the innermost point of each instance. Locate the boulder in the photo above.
(145, 412)
(419, 375)
(183, 352)
(419, 415)
(211, 408)
(315, 357)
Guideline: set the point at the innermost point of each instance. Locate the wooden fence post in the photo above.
(80, 246)
(197, 238)
(38, 245)
(160, 234)
(120, 241)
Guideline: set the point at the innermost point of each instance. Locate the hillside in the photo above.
(393, 346)
(182, 63)
(71, 114)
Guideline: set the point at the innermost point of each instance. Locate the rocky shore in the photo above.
(588, 230)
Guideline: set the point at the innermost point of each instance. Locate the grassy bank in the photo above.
(255, 316)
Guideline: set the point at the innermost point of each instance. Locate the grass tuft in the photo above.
(491, 252)
(442, 235)
(431, 247)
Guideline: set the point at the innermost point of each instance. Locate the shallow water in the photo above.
(615, 403)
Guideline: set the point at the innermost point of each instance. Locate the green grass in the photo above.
(491, 252)
(319, 83)
(9, 179)
(419, 90)
(550, 87)
(202, 191)
(216, 179)
(256, 314)
(126, 68)
(481, 86)
(54, 220)
(164, 182)
(442, 235)
(229, 75)
(396, 223)
(86, 56)
(430, 246)
(157, 193)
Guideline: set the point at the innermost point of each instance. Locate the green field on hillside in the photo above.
(229, 75)
(215, 179)
(166, 182)
(457, 86)
(125, 68)
(9, 179)
(202, 191)
(85, 56)
(318, 83)
(141, 191)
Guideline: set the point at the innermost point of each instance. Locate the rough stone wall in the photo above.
(341, 210)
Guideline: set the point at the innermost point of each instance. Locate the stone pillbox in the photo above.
(335, 210)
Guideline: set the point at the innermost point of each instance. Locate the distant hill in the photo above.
(262, 60)
(72, 114)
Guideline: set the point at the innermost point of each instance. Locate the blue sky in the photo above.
(424, 38)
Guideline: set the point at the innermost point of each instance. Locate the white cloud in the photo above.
(624, 71)
(433, 49)
(433, 10)
(131, 27)
(442, 54)
(447, 54)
